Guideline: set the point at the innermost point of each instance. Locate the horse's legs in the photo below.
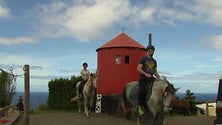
(187, 111)
(86, 106)
(79, 108)
(91, 103)
(171, 113)
(158, 118)
(138, 120)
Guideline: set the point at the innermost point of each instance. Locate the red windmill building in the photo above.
(117, 62)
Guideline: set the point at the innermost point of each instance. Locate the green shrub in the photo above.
(61, 91)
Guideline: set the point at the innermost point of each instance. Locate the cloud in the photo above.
(39, 66)
(194, 81)
(198, 11)
(4, 11)
(201, 66)
(208, 11)
(219, 59)
(217, 42)
(85, 21)
(213, 41)
(16, 41)
(82, 21)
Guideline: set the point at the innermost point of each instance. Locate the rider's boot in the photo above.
(140, 111)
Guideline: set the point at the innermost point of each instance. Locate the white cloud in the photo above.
(88, 20)
(4, 11)
(16, 41)
(174, 12)
(85, 21)
(217, 42)
(208, 11)
(203, 66)
(214, 41)
(219, 59)
(39, 66)
(82, 21)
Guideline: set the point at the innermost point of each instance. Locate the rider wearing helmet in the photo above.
(147, 69)
(150, 47)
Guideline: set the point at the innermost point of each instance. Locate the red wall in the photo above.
(112, 77)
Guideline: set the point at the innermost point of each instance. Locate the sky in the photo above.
(55, 37)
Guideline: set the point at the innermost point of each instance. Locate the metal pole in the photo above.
(27, 92)
(150, 39)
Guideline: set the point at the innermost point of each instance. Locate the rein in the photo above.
(165, 105)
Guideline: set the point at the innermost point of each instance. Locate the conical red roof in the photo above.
(122, 40)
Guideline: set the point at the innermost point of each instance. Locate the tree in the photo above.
(190, 96)
(192, 100)
(7, 88)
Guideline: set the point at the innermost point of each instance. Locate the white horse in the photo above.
(88, 93)
(162, 94)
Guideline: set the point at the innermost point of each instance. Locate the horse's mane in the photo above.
(170, 88)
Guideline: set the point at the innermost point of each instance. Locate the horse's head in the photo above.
(93, 78)
(168, 95)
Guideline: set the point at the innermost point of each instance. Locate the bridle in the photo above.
(165, 105)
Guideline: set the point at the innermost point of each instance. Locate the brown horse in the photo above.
(181, 105)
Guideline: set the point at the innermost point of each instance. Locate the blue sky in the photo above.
(56, 36)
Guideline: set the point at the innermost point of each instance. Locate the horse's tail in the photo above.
(125, 104)
(123, 100)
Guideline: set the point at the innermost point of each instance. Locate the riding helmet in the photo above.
(150, 47)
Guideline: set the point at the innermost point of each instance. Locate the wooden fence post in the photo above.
(27, 92)
(207, 110)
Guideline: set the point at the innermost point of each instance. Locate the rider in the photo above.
(147, 67)
(84, 75)
(20, 105)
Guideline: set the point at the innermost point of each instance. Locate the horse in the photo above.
(89, 91)
(182, 105)
(159, 101)
(20, 106)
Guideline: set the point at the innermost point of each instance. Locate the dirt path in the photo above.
(104, 119)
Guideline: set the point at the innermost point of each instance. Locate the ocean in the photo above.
(39, 98)
(36, 99)
(201, 97)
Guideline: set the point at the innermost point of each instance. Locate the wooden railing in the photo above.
(4, 110)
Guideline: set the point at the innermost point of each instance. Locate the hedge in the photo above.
(61, 91)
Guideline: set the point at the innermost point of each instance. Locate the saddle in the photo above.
(135, 91)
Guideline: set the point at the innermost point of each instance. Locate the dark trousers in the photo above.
(143, 85)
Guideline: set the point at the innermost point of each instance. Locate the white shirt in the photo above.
(85, 74)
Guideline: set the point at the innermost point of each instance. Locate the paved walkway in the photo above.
(10, 118)
(105, 119)
(14, 118)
